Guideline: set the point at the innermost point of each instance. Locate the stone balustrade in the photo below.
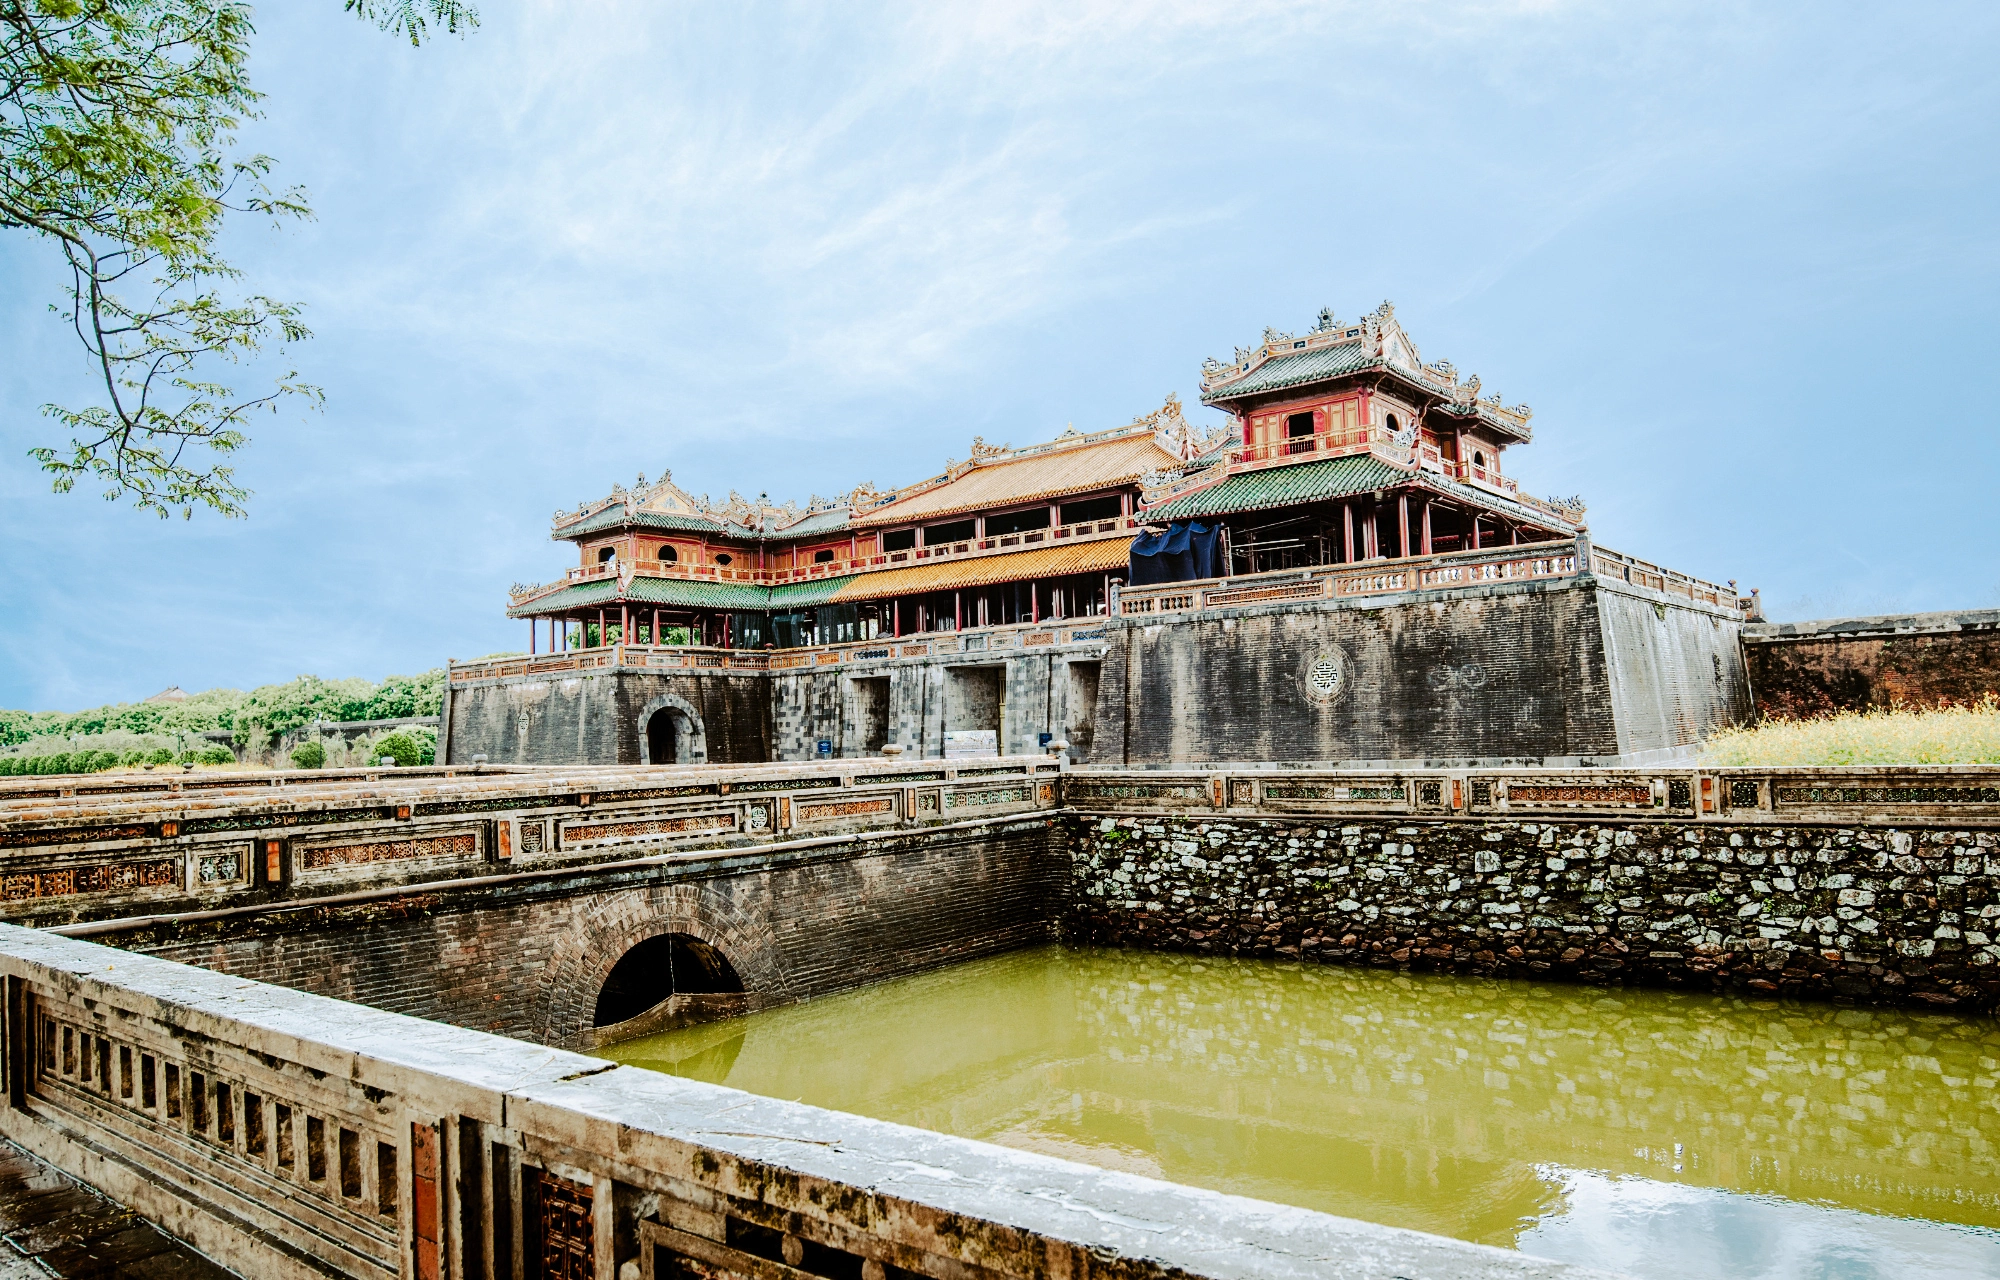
(1026, 635)
(291, 1135)
(104, 845)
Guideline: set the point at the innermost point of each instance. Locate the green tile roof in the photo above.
(1285, 487)
(679, 593)
(800, 595)
(1327, 480)
(614, 517)
(1296, 368)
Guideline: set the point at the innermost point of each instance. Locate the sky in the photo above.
(1740, 259)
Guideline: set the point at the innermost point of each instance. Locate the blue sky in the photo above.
(1740, 259)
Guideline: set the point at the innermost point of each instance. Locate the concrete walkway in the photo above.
(54, 1226)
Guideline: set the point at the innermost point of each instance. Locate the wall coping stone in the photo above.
(1894, 624)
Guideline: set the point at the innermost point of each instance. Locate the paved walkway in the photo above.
(53, 1225)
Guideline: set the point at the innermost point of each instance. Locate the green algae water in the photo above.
(1645, 1132)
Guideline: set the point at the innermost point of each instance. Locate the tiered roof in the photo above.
(990, 478)
(993, 476)
(1334, 348)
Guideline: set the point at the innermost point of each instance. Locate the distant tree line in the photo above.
(263, 712)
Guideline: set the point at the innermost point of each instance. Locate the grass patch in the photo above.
(1939, 735)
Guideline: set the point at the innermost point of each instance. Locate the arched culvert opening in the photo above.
(667, 737)
(667, 964)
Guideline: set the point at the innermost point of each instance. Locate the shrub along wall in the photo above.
(1870, 914)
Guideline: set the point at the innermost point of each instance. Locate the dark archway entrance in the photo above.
(667, 737)
(667, 964)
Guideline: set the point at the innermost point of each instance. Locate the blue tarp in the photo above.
(1186, 550)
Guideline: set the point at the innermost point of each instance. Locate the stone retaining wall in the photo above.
(1867, 913)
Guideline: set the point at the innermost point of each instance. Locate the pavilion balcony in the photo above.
(1024, 636)
(1083, 530)
(775, 575)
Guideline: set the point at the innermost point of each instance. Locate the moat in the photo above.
(1645, 1132)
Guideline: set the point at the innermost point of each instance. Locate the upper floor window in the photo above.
(1478, 458)
(1091, 509)
(823, 557)
(606, 553)
(667, 554)
(723, 557)
(899, 540)
(937, 535)
(1395, 424)
(1299, 424)
(1017, 521)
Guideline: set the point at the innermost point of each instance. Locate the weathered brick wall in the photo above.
(1851, 664)
(1865, 913)
(528, 959)
(1510, 671)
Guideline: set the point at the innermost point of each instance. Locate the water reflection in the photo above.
(1759, 1139)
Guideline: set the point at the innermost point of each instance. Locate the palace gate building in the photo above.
(1376, 589)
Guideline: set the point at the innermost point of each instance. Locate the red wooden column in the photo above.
(531, 637)
(1475, 531)
(656, 626)
(1403, 525)
(1427, 526)
(957, 612)
(600, 628)
(1347, 520)
(624, 623)
(1034, 606)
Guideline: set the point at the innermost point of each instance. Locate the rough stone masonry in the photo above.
(1856, 913)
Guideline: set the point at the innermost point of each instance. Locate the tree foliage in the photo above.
(273, 708)
(118, 123)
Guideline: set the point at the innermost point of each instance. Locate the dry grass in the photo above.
(1942, 735)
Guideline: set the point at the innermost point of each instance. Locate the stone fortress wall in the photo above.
(1800, 669)
(1569, 670)
(1576, 671)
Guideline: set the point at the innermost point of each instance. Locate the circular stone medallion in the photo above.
(1325, 675)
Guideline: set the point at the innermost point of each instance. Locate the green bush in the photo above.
(159, 755)
(309, 755)
(401, 747)
(98, 761)
(131, 758)
(8, 765)
(215, 753)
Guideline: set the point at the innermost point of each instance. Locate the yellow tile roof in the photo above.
(1043, 562)
(1051, 472)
